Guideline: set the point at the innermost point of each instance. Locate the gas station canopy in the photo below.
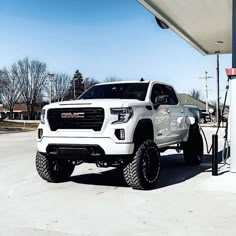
(206, 25)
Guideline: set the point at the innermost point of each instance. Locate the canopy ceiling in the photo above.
(206, 25)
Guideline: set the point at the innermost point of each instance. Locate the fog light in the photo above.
(120, 134)
(40, 133)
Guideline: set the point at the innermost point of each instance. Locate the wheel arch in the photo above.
(143, 131)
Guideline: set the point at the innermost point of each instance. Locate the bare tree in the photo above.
(89, 82)
(2, 84)
(32, 75)
(10, 88)
(3, 81)
(112, 79)
(196, 94)
(60, 86)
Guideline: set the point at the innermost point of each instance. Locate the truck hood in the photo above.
(98, 103)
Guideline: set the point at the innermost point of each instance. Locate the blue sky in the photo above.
(103, 38)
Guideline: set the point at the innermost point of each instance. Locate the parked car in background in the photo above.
(194, 110)
(204, 117)
(3, 115)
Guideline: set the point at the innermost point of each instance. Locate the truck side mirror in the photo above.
(161, 99)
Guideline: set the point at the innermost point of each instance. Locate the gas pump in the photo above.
(231, 74)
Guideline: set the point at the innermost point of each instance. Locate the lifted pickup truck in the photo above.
(120, 124)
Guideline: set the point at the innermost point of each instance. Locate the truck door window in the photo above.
(171, 96)
(156, 91)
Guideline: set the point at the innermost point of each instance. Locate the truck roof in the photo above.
(125, 82)
(134, 81)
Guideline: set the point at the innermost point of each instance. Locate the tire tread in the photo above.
(132, 172)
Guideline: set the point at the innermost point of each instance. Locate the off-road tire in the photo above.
(53, 170)
(127, 175)
(144, 170)
(193, 149)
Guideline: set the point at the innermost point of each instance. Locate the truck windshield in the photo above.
(117, 91)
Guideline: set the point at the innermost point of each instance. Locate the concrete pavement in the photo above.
(187, 201)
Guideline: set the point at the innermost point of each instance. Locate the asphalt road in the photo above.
(9, 130)
(187, 201)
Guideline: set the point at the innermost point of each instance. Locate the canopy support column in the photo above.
(233, 96)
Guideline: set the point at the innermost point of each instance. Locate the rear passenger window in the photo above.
(172, 98)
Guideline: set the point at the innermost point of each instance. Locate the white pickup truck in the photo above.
(120, 124)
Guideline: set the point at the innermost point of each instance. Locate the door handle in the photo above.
(168, 111)
(182, 111)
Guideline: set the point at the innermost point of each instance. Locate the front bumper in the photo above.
(106, 144)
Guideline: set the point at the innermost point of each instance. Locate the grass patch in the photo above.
(22, 125)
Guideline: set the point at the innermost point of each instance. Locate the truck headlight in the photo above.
(42, 116)
(123, 114)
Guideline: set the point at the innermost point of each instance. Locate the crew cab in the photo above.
(120, 124)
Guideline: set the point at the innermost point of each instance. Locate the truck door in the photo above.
(168, 118)
(178, 127)
(161, 116)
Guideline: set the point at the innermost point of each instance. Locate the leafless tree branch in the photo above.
(11, 87)
(33, 75)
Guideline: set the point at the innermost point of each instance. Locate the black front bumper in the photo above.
(81, 152)
(74, 151)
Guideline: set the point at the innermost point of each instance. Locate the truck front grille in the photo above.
(76, 118)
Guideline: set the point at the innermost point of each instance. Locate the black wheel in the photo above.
(193, 148)
(53, 170)
(144, 170)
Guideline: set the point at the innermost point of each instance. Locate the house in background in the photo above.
(189, 100)
(20, 112)
(204, 115)
(2, 112)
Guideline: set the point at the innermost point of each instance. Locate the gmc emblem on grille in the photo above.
(72, 115)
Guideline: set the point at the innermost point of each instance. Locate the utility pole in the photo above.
(50, 76)
(206, 77)
(74, 79)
